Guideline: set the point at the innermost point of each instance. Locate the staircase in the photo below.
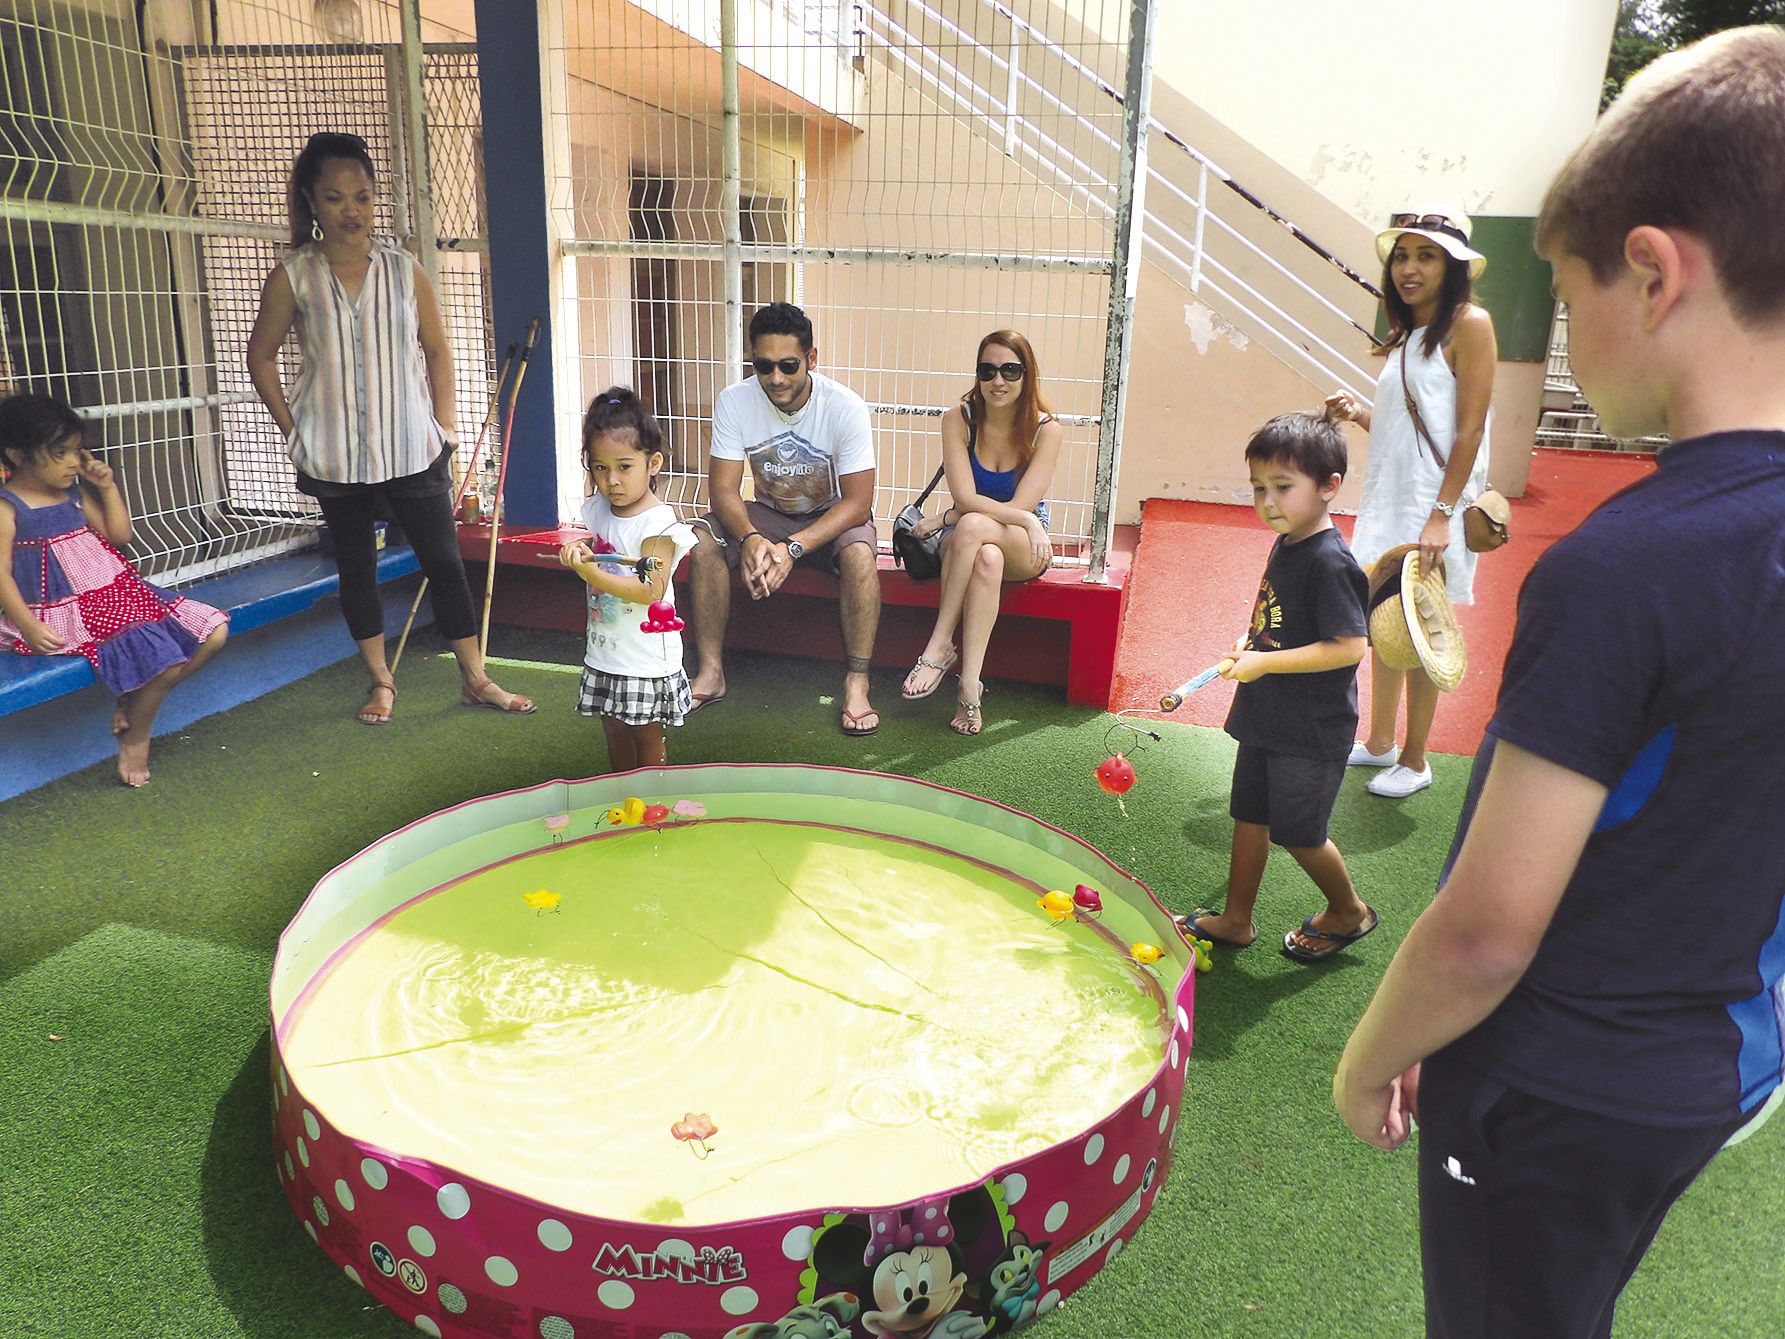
(1205, 230)
(1567, 419)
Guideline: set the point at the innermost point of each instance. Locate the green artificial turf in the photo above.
(137, 1196)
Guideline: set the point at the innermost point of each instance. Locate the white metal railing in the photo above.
(1287, 336)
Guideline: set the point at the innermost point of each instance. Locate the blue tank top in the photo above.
(998, 485)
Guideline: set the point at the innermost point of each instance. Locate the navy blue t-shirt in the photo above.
(1312, 591)
(1650, 656)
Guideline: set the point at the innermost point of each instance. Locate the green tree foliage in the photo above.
(1648, 28)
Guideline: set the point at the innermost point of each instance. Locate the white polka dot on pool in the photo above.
(310, 1228)
(556, 1327)
(321, 1209)
(311, 1128)
(427, 1326)
(421, 1240)
(1049, 1300)
(674, 1248)
(452, 1299)
(1183, 1019)
(1164, 1118)
(454, 1200)
(290, 1175)
(344, 1195)
(797, 1244)
(303, 1152)
(614, 1295)
(553, 1235)
(1093, 1150)
(284, 1083)
(1121, 1173)
(1146, 1107)
(501, 1271)
(1056, 1216)
(1115, 1249)
(739, 1301)
(353, 1274)
(373, 1173)
(1174, 1053)
(1016, 1185)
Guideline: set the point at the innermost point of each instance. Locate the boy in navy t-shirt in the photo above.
(1593, 1004)
(1295, 711)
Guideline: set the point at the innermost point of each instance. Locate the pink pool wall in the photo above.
(457, 1257)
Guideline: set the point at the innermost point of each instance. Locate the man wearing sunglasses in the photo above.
(809, 446)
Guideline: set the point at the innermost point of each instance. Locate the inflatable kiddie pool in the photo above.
(740, 1051)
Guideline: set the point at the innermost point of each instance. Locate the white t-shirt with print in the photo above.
(796, 459)
(616, 644)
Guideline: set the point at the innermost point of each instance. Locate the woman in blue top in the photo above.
(999, 453)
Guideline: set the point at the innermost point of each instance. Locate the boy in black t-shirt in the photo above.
(1595, 1001)
(1296, 707)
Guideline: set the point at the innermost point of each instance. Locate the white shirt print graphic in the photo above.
(792, 475)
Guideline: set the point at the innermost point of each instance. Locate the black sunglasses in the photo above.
(1430, 222)
(1009, 371)
(788, 366)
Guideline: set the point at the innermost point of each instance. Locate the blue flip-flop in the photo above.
(1291, 949)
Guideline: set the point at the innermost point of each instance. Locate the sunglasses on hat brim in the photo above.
(1430, 223)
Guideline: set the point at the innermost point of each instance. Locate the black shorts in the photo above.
(1291, 796)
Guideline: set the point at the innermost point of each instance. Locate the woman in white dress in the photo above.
(1428, 454)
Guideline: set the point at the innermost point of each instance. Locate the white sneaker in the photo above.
(1398, 782)
(1362, 757)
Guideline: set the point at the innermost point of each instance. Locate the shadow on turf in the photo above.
(275, 1281)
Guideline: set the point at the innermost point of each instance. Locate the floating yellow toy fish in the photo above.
(542, 901)
(629, 814)
(1146, 954)
(1056, 904)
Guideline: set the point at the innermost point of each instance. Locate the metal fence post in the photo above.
(1124, 279)
(423, 232)
(731, 201)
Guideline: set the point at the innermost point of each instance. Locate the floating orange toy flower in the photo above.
(694, 1131)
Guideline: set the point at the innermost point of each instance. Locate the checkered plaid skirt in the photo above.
(634, 701)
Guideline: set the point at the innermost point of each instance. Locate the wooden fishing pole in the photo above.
(514, 393)
(458, 497)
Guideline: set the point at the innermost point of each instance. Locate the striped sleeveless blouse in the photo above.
(361, 409)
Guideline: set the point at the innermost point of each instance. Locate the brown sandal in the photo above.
(472, 695)
(371, 715)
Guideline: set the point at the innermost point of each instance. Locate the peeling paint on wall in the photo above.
(1206, 327)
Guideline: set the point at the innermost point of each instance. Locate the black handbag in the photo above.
(921, 558)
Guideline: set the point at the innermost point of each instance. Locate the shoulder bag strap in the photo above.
(1419, 424)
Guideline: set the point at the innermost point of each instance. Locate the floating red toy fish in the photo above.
(1116, 774)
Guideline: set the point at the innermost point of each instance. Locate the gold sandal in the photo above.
(371, 715)
(472, 695)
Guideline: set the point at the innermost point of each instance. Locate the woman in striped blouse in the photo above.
(371, 418)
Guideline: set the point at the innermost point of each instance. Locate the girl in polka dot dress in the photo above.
(66, 590)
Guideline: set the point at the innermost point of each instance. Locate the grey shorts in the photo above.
(778, 527)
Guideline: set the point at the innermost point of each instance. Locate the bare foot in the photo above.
(381, 700)
(121, 716)
(1219, 927)
(707, 686)
(133, 761)
(967, 720)
(926, 676)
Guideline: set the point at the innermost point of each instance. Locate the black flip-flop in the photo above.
(1291, 949)
(1189, 926)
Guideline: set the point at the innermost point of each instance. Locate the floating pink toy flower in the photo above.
(1087, 900)
(661, 617)
(690, 808)
(694, 1131)
(555, 825)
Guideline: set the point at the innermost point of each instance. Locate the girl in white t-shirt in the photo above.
(632, 661)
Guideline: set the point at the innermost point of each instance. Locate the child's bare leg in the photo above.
(622, 746)
(139, 709)
(1345, 912)
(121, 714)
(648, 746)
(1245, 871)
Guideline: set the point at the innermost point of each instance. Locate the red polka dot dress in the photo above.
(85, 592)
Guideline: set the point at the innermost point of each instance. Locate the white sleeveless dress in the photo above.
(1401, 479)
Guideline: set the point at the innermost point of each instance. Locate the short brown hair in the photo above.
(1309, 444)
(1696, 141)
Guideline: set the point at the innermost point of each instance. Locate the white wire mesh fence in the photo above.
(893, 180)
(143, 156)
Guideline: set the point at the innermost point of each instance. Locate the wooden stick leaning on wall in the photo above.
(514, 393)
(458, 495)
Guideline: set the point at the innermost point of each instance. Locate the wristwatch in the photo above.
(1445, 507)
(795, 550)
